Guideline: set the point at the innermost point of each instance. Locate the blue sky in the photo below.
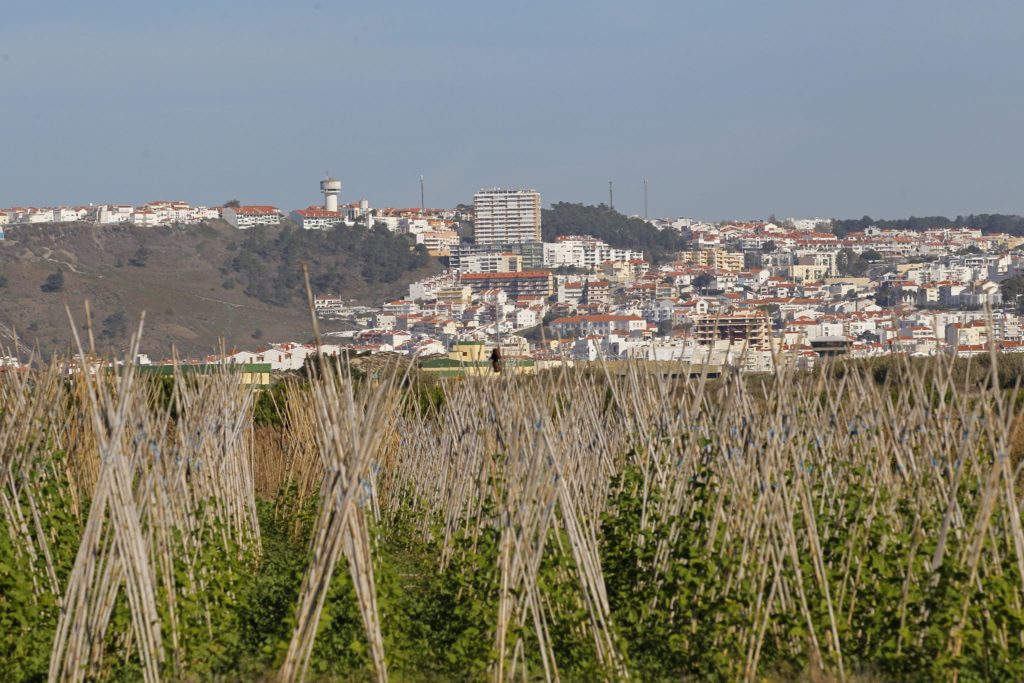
(731, 108)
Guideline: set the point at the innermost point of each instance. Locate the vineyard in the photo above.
(846, 525)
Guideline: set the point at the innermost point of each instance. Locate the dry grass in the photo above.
(799, 472)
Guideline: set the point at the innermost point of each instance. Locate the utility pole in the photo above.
(611, 203)
(645, 199)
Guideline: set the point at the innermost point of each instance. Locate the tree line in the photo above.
(987, 222)
(608, 225)
(269, 260)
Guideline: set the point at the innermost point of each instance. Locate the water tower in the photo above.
(330, 188)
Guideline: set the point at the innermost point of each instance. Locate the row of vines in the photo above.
(578, 525)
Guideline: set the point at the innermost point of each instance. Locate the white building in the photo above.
(145, 218)
(316, 219)
(503, 216)
(243, 217)
(438, 242)
(67, 214)
(584, 252)
(117, 213)
(27, 215)
(428, 288)
(491, 262)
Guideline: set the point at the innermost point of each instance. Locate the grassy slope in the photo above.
(179, 288)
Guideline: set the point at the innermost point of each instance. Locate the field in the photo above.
(861, 523)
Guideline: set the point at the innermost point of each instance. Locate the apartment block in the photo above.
(750, 328)
(243, 217)
(506, 216)
(716, 259)
(523, 284)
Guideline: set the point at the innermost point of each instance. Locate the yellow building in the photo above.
(716, 259)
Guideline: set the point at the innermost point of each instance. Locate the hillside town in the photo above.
(744, 295)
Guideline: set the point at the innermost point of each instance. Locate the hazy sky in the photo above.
(730, 108)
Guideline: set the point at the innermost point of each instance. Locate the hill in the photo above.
(622, 232)
(197, 284)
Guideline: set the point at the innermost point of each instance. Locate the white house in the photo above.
(243, 217)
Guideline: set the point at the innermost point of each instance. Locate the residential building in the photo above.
(438, 242)
(713, 259)
(116, 213)
(243, 217)
(532, 253)
(585, 325)
(516, 285)
(492, 262)
(502, 216)
(315, 218)
(584, 252)
(751, 328)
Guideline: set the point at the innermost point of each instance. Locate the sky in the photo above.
(730, 108)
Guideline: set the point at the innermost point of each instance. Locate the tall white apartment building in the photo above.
(503, 216)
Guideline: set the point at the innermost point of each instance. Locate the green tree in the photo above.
(871, 256)
(54, 283)
(1012, 291)
(140, 258)
(888, 296)
(115, 326)
(702, 282)
(268, 263)
(566, 218)
(849, 263)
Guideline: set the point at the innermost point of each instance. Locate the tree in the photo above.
(268, 262)
(888, 296)
(871, 255)
(702, 281)
(768, 247)
(54, 283)
(115, 326)
(1012, 291)
(849, 263)
(141, 255)
(622, 232)
(232, 203)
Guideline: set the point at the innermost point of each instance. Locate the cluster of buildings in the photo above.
(435, 229)
(744, 295)
(147, 215)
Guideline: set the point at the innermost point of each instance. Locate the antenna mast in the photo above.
(645, 198)
(423, 202)
(611, 204)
